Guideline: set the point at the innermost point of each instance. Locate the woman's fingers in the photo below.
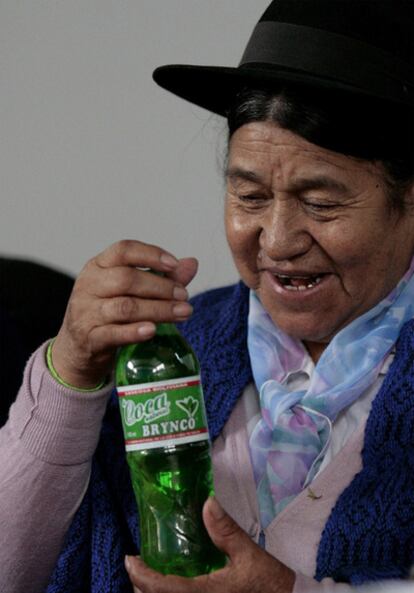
(107, 337)
(146, 580)
(117, 301)
(136, 254)
(123, 280)
(185, 271)
(126, 309)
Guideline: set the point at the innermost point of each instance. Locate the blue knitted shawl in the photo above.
(370, 532)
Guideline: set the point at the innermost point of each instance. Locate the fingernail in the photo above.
(182, 310)
(127, 563)
(145, 330)
(180, 293)
(169, 260)
(216, 509)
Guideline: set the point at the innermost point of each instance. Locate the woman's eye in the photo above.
(252, 198)
(320, 206)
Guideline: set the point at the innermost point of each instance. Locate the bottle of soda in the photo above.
(168, 451)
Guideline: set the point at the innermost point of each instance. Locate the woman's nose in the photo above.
(284, 234)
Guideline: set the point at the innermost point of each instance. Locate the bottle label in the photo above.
(163, 413)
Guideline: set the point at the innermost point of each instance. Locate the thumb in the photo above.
(185, 271)
(224, 531)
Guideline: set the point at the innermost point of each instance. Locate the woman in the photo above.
(307, 362)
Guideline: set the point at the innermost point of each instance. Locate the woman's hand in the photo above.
(249, 569)
(113, 303)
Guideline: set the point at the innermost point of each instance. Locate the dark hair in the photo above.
(361, 128)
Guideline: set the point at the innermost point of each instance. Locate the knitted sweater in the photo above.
(370, 533)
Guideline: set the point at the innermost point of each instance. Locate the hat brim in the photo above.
(215, 87)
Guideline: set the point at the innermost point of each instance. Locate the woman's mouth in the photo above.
(299, 283)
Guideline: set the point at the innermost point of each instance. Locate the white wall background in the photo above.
(91, 150)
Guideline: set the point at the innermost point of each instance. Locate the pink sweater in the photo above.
(46, 449)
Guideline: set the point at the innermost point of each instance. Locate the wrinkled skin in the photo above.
(113, 303)
(249, 568)
(296, 209)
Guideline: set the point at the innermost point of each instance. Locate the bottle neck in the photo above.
(167, 329)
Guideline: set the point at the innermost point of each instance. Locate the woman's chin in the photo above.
(308, 330)
(314, 315)
(317, 326)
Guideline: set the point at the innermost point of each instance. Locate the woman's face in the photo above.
(311, 231)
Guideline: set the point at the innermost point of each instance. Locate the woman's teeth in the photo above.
(299, 282)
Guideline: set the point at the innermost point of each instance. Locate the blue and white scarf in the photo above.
(290, 440)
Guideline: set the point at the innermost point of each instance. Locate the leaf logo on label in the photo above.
(189, 405)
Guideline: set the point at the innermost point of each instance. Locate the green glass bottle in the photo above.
(168, 451)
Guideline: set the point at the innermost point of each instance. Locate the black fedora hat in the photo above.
(363, 47)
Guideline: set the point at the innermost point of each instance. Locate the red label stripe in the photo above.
(166, 437)
(157, 389)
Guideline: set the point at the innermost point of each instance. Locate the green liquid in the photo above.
(170, 483)
(170, 487)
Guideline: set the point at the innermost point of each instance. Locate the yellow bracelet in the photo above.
(59, 379)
